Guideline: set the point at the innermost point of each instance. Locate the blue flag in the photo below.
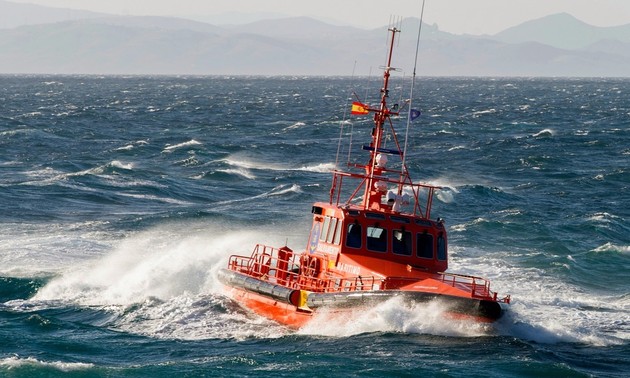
(413, 114)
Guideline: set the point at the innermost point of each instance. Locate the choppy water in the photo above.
(120, 197)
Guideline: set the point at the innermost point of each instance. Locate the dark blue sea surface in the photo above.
(120, 197)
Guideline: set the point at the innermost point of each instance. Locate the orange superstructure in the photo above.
(378, 243)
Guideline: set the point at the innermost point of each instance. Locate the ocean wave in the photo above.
(195, 317)
(170, 148)
(445, 195)
(460, 147)
(247, 164)
(464, 226)
(151, 197)
(157, 263)
(394, 315)
(239, 172)
(47, 175)
(131, 146)
(277, 191)
(189, 161)
(10, 133)
(603, 217)
(544, 133)
(610, 247)
(281, 190)
(15, 362)
(320, 168)
(162, 283)
(294, 126)
(264, 166)
(446, 184)
(483, 112)
(544, 308)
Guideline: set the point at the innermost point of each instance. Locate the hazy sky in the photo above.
(455, 16)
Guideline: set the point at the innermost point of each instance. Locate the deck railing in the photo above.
(279, 267)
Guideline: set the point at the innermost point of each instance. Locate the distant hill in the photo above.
(13, 15)
(68, 42)
(562, 31)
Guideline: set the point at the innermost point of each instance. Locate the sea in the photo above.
(121, 197)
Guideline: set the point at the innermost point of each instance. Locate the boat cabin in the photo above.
(376, 239)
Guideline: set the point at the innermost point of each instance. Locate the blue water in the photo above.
(121, 197)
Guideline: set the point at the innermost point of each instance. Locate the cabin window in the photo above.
(375, 216)
(338, 232)
(424, 245)
(353, 238)
(376, 239)
(441, 248)
(399, 219)
(401, 242)
(331, 232)
(324, 232)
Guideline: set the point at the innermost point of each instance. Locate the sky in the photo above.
(454, 16)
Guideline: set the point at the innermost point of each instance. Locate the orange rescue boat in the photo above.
(378, 244)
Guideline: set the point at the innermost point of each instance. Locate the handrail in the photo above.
(265, 264)
(336, 190)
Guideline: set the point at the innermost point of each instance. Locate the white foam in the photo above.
(16, 362)
(544, 308)
(603, 217)
(544, 133)
(162, 263)
(239, 172)
(321, 168)
(283, 189)
(195, 317)
(31, 250)
(394, 315)
(127, 147)
(48, 176)
(152, 197)
(296, 125)
(162, 283)
(610, 247)
(248, 164)
(277, 191)
(121, 165)
(460, 147)
(170, 148)
(483, 112)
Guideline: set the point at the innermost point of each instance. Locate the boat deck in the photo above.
(264, 264)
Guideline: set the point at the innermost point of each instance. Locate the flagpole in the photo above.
(413, 82)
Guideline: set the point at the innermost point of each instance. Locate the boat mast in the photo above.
(372, 197)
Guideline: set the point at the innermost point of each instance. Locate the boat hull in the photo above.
(295, 308)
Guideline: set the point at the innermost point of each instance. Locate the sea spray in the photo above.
(163, 262)
(394, 315)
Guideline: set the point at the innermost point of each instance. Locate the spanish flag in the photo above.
(359, 108)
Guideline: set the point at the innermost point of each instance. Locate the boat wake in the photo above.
(159, 283)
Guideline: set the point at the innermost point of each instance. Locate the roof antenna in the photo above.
(413, 82)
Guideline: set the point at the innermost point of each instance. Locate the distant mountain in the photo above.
(105, 44)
(562, 31)
(13, 15)
(611, 47)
